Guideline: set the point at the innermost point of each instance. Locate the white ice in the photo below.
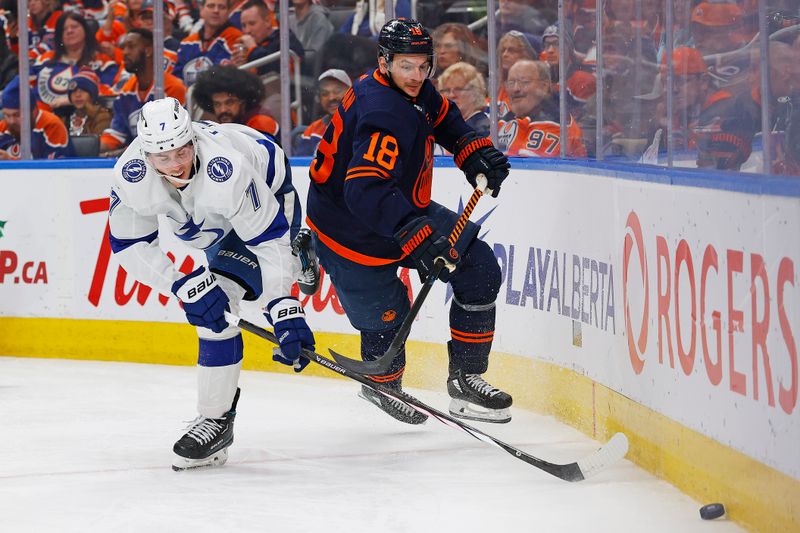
(87, 446)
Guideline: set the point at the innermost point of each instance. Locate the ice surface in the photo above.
(87, 446)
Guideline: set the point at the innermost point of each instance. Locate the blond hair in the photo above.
(473, 79)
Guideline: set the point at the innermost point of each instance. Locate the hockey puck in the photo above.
(712, 511)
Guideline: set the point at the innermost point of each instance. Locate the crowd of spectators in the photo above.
(91, 69)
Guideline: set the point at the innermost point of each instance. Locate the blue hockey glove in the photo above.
(204, 302)
(288, 318)
(424, 243)
(476, 155)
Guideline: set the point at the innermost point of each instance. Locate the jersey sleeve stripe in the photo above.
(275, 230)
(442, 111)
(118, 245)
(356, 170)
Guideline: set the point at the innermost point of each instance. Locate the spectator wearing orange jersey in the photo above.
(234, 95)
(512, 47)
(214, 43)
(42, 17)
(49, 138)
(532, 126)
(333, 85)
(137, 51)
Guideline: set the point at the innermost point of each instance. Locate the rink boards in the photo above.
(657, 304)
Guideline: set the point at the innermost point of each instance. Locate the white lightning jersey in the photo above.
(238, 174)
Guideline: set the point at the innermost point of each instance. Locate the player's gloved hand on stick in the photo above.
(476, 155)
(288, 318)
(424, 243)
(204, 302)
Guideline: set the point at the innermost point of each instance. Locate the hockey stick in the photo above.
(614, 450)
(381, 364)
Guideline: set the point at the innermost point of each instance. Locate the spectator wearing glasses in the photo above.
(531, 128)
(512, 47)
(333, 84)
(464, 85)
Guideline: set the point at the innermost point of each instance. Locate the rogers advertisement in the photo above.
(684, 299)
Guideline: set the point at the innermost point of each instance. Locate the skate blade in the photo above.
(470, 411)
(421, 418)
(179, 464)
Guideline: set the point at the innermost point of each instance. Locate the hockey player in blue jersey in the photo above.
(225, 189)
(370, 209)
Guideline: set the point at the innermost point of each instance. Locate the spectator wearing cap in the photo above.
(715, 127)
(234, 95)
(137, 51)
(531, 128)
(717, 27)
(214, 43)
(260, 38)
(310, 24)
(512, 47)
(89, 117)
(462, 84)
(333, 84)
(454, 43)
(49, 137)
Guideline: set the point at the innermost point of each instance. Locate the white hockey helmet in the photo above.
(164, 125)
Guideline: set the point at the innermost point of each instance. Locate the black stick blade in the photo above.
(365, 368)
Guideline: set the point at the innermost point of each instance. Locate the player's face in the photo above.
(175, 163)
(331, 93)
(408, 71)
(227, 107)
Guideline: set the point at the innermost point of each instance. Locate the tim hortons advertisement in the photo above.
(684, 299)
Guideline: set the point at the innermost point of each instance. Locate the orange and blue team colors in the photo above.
(128, 104)
(539, 137)
(310, 138)
(49, 138)
(382, 171)
(196, 54)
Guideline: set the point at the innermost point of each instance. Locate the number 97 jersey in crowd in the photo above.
(241, 185)
(374, 166)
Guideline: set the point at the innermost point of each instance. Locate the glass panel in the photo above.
(633, 98)
(783, 105)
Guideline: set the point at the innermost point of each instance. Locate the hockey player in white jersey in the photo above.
(225, 189)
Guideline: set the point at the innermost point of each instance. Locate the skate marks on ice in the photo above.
(87, 446)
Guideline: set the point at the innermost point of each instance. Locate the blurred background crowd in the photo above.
(687, 83)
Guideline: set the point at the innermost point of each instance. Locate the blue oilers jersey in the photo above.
(196, 54)
(373, 169)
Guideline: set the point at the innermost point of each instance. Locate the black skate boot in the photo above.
(474, 399)
(303, 247)
(206, 443)
(394, 408)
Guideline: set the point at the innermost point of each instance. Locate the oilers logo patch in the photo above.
(134, 170)
(219, 169)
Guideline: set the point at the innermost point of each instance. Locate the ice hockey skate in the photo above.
(394, 408)
(207, 441)
(472, 398)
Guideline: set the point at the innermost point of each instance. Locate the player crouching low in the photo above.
(225, 189)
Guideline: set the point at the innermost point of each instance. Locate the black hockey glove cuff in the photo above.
(476, 155)
(424, 244)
